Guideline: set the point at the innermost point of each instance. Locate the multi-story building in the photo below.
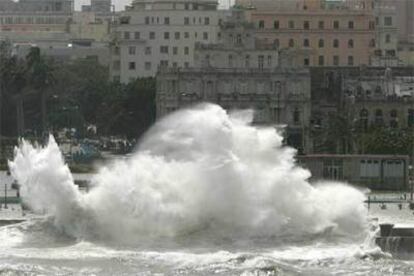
(328, 33)
(386, 33)
(380, 97)
(34, 18)
(155, 33)
(241, 72)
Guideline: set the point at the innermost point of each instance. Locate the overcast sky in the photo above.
(119, 4)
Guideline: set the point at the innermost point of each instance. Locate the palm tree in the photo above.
(40, 77)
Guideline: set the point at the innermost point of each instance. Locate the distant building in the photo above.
(241, 73)
(380, 98)
(153, 34)
(386, 25)
(377, 172)
(328, 33)
(34, 18)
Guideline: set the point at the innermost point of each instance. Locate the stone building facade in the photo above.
(278, 96)
(329, 33)
(241, 72)
(380, 98)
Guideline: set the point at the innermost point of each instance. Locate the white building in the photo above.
(155, 33)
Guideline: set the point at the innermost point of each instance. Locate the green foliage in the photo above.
(386, 140)
(71, 95)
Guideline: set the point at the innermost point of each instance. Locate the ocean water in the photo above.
(205, 193)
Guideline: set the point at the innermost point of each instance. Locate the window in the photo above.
(166, 20)
(186, 64)
(177, 35)
(291, 24)
(186, 35)
(116, 65)
(175, 50)
(336, 24)
(306, 25)
(296, 116)
(336, 43)
(371, 25)
(147, 20)
(186, 21)
(147, 50)
(206, 20)
(269, 61)
(363, 117)
(306, 62)
(131, 65)
(186, 50)
(205, 36)
(164, 63)
(291, 43)
(152, 35)
(321, 60)
(230, 61)
(306, 42)
(388, 21)
(186, 6)
(350, 60)
(393, 118)
(117, 51)
(351, 43)
(350, 24)
(276, 42)
(164, 49)
(132, 50)
(247, 61)
(239, 39)
(137, 35)
(321, 25)
(276, 24)
(147, 65)
(126, 35)
(336, 60)
(260, 61)
(166, 35)
(372, 43)
(261, 24)
(387, 38)
(321, 43)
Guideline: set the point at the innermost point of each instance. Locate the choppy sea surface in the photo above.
(205, 193)
(35, 247)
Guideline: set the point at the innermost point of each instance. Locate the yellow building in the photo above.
(327, 33)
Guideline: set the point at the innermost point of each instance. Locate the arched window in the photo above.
(306, 42)
(321, 43)
(393, 118)
(291, 43)
(296, 116)
(351, 43)
(379, 120)
(239, 39)
(336, 43)
(363, 117)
